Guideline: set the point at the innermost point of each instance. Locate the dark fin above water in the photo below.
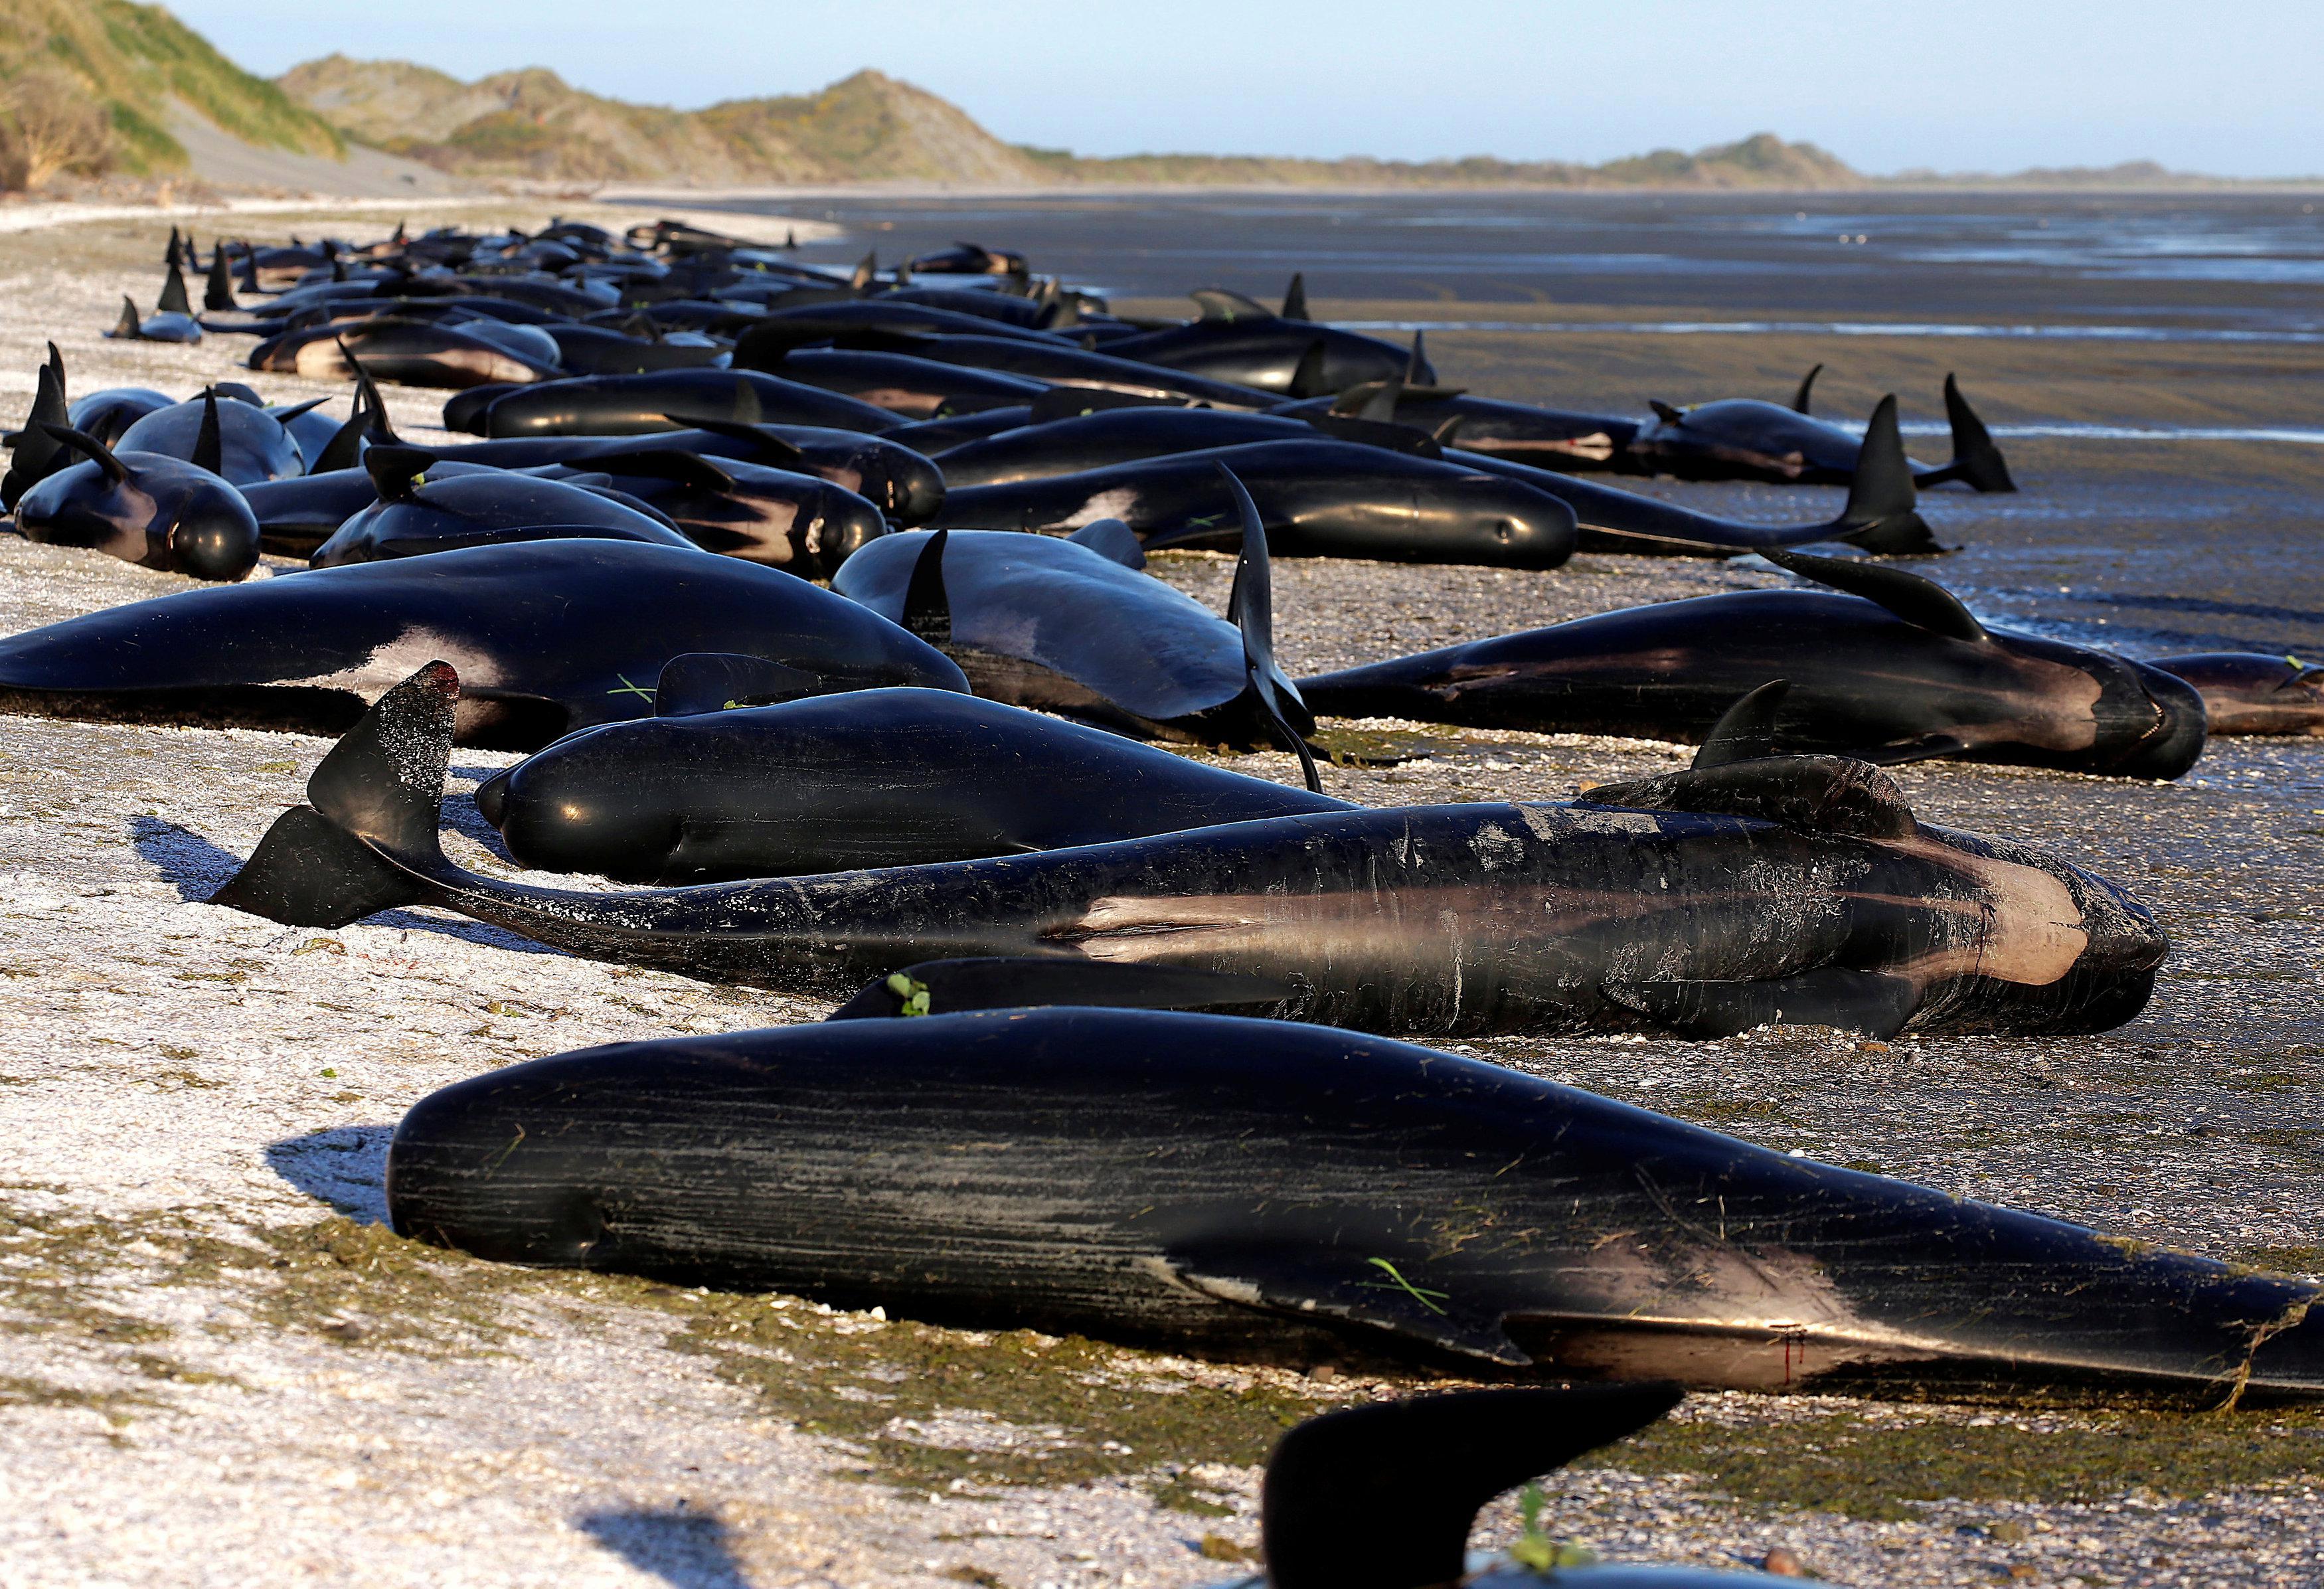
(1807, 387)
(1112, 540)
(1666, 412)
(1071, 402)
(344, 449)
(949, 988)
(173, 299)
(1976, 459)
(1250, 608)
(1417, 370)
(209, 446)
(1882, 515)
(927, 611)
(249, 282)
(1219, 304)
(1920, 602)
(723, 681)
(396, 470)
(81, 441)
(1809, 794)
(217, 295)
(1295, 297)
(1307, 375)
(1746, 731)
(126, 327)
(1430, 1464)
(170, 249)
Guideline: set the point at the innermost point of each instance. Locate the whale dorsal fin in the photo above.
(1807, 385)
(927, 611)
(1431, 1463)
(866, 269)
(1307, 376)
(1112, 540)
(397, 470)
(81, 441)
(722, 681)
(1217, 303)
(56, 365)
(949, 987)
(1976, 459)
(217, 296)
(1295, 297)
(173, 299)
(344, 450)
(170, 249)
(1417, 369)
(1746, 731)
(209, 446)
(1381, 403)
(1809, 794)
(1922, 603)
(1666, 412)
(127, 326)
(1250, 608)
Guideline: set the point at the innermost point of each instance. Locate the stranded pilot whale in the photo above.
(157, 511)
(1701, 903)
(1272, 1192)
(2249, 692)
(1885, 666)
(1072, 626)
(558, 636)
(834, 783)
(1745, 438)
(415, 516)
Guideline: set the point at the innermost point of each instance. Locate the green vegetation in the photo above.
(120, 66)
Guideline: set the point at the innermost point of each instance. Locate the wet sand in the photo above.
(217, 1369)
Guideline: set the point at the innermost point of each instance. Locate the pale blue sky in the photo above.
(1955, 84)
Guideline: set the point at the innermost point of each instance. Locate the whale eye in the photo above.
(1501, 531)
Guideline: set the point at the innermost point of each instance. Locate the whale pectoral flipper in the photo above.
(1343, 1289)
(697, 682)
(1928, 748)
(1864, 1002)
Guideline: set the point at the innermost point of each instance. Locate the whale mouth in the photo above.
(492, 797)
(2175, 741)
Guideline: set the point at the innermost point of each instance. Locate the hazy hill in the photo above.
(142, 69)
(532, 123)
(869, 128)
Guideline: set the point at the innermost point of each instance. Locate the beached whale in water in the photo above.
(1701, 903)
(157, 512)
(1745, 438)
(1278, 1192)
(1883, 666)
(557, 635)
(2254, 692)
(1072, 626)
(835, 783)
(1317, 497)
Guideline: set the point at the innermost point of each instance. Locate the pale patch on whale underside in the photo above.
(405, 655)
(1118, 504)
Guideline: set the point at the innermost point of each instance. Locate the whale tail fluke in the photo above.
(1882, 515)
(1976, 459)
(379, 793)
(1430, 1463)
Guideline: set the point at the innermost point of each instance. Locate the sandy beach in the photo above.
(218, 1367)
